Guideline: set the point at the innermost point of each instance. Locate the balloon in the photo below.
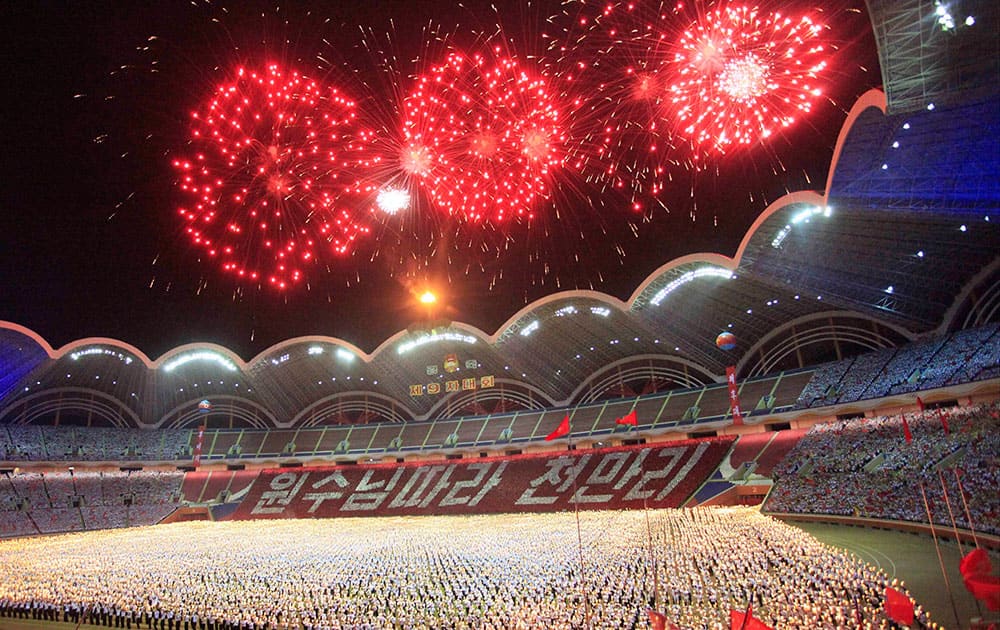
(726, 341)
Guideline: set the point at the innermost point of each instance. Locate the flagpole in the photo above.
(951, 515)
(947, 582)
(857, 610)
(749, 611)
(652, 556)
(968, 515)
(954, 526)
(579, 539)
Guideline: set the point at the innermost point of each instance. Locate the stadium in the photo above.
(708, 453)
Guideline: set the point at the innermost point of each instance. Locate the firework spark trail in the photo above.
(623, 130)
(272, 156)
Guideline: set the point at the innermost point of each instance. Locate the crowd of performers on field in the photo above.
(698, 568)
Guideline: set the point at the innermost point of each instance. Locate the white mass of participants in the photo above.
(491, 572)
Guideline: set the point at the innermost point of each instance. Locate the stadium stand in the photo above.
(963, 357)
(867, 467)
(63, 501)
(776, 450)
(749, 447)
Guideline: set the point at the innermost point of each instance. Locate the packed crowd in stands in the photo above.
(965, 356)
(865, 370)
(32, 503)
(867, 467)
(67, 443)
(492, 572)
(902, 374)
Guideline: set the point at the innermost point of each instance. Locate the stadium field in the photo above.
(902, 556)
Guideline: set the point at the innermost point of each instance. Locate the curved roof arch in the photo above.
(279, 347)
(754, 350)
(509, 326)
(689, 260)
(873, 98)
(458, 398)
(427, 330)
(666, 358)
(76, 346)
(974, 285)
(181, 413)
(328, 401)
(200, 351)
(63, 399)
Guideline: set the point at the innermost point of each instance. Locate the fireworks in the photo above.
(673, 87)
(272, 156)
(742, 74)
(483, 135)
(471, 149)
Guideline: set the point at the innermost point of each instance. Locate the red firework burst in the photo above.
(622, 65)
(741, 74)
(272, 155)
(483, 135)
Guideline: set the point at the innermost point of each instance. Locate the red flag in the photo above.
(976, 562)
(920, 404)
(746, 621)
(976, 568)
(898, 607)
(658, 621)
(985, 588)
(944, 421)
(629, 419)
(561, 430)
(906, 430)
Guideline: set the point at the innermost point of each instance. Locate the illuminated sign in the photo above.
(456, 385)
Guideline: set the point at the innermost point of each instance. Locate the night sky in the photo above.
(90, 244)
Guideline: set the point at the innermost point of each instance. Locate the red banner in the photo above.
(606, 479)
(734, 395)
(197, 445)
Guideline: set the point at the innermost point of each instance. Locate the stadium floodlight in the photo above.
(203, 355)
(86, 352)
(701, 272)
(426, 339)
(530, 328)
